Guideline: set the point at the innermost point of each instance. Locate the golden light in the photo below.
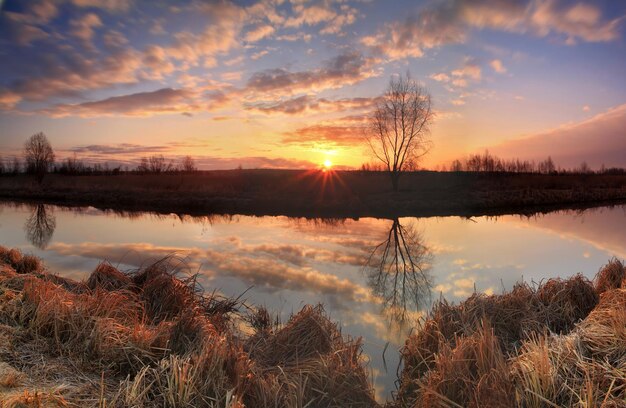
(327, 164)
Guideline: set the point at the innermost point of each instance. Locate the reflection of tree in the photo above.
(40, 226)
(398, 271)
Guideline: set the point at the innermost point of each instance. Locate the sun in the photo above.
(327, 164)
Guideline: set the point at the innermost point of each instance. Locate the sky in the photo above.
(291, 83)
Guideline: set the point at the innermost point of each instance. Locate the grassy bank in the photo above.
(316, 193)
(150, 338)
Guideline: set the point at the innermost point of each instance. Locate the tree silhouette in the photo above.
(39, 155)
(398, 271)
(40, 226)
(188, 164)
(399, 127)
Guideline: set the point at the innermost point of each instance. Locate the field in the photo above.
(318, 193)
(149, 337)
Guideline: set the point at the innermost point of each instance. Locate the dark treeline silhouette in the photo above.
(489, 163)
(38, 158)
(147, 165)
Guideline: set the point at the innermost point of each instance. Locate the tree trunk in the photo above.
(395, 176)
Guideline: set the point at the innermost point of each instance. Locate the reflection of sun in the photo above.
(327, 164)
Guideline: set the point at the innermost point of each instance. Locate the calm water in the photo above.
(348, 265)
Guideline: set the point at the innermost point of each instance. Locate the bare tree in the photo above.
(39, 155)
(399, 126)
(157, 164)
(188, 164)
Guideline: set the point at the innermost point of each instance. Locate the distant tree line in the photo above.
(38, 158)
(489, 163)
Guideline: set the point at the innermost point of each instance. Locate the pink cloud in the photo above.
(599, 140)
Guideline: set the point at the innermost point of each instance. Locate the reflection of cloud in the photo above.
(269, 274)
(604, 228)
(460, 284)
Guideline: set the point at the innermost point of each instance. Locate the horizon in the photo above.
(280, 84)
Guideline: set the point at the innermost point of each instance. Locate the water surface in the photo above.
(374, 276)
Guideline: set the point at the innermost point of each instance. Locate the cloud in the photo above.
(311, 104)
(295, 37)
(432, 27)
(120, 148)
(252, 162)
(65, 72)
(221, 35)
(497, 66)
(450, 22)
(128, 154)
(113, 6)
(259, 33)
(469, 69)
(231, 76)
(259, 54)
(83, 27)
(599, 140)
(21, 28)
(326, 134)
(114, 39)
(440, 77)
(315, 14)
(166, 100)
(161, 101)
(345, 69)
(8, 99)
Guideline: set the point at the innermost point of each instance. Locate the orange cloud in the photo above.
(311, 104)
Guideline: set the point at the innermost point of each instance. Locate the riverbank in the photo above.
(350, 194)
(149, 337)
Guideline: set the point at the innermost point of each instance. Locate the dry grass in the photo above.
(151, 338)
(612, 276)
(562, 343)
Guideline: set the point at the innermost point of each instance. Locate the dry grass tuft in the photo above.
(567, 301)
(33, 399)
(107, 277)
(559, 344)
(612, 276)
(156, 340)
(9, 376)
(307, 362)
(22, 264)
(472, 374)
